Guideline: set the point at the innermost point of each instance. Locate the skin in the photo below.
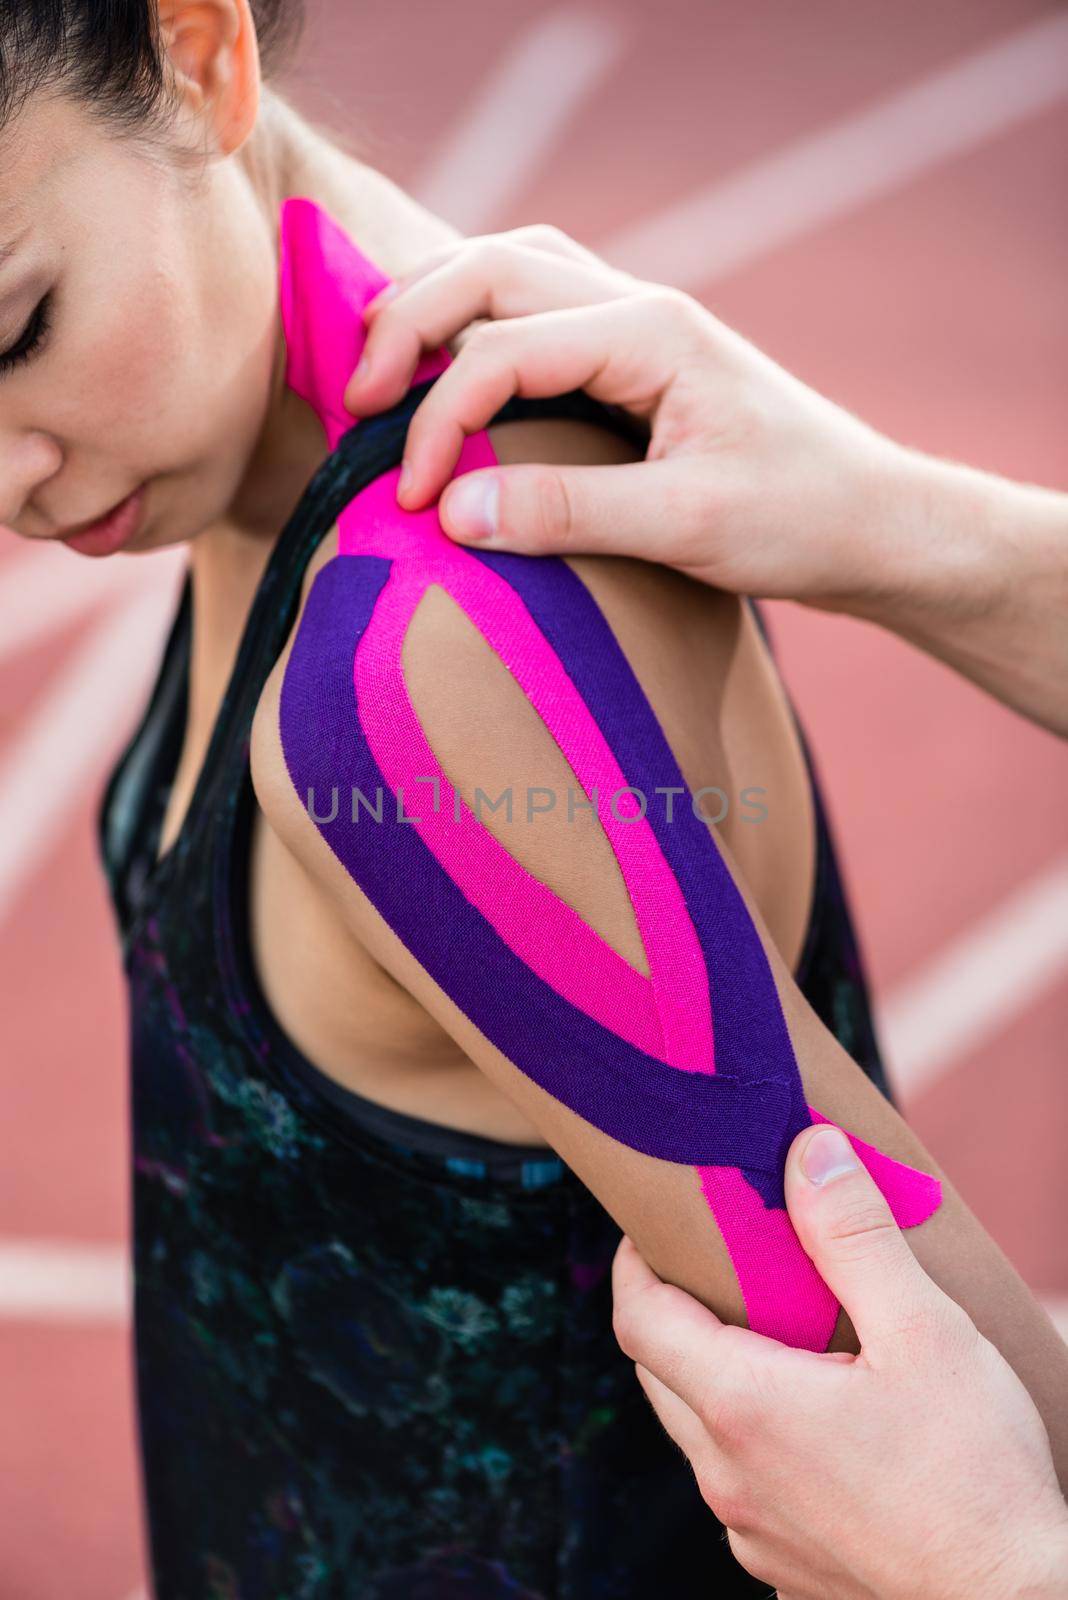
(164, 368)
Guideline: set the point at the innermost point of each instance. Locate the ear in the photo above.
(212, 56)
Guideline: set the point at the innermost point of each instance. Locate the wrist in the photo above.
(972, 568)
(940, 554)
(904, 544)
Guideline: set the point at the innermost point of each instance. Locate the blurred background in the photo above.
(876, 192)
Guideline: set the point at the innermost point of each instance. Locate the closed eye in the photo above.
(31, 338)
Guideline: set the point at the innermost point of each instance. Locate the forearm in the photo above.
(973, 569)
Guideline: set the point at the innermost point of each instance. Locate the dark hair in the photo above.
(107, 51)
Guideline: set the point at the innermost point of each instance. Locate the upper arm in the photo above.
(604, 969)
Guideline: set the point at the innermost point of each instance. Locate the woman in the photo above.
(373, 1318)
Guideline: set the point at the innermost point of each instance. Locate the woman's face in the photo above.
(139, 338)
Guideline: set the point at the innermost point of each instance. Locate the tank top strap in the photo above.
(130, 810)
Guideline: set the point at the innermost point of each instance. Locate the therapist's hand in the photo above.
(918, 1468)
(735, 442)
(752, 481)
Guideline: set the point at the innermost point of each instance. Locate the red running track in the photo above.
(927, 294)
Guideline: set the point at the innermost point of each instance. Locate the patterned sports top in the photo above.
(374, 1355)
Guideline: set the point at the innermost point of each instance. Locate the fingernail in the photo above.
(828, 1154)
(404, 482)
(473, 506)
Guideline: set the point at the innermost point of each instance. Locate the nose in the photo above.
(27, 461)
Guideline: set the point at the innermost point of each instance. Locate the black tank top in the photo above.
(374, 1356)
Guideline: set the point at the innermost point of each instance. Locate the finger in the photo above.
(539, 236)
(681, 1423)
(727, 1376)
(630, 1270)
(663, 1328)
(750, 1550)
(545, 236)
(512, 261)
(454, 255)
(624, 352)
(495, 278)
(653, 511)
(717, 1478)
(844, 1222)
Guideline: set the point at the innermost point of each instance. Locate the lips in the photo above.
(106, 534)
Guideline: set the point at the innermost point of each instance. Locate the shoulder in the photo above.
(694, 655)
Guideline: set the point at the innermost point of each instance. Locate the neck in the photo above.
(283, 158)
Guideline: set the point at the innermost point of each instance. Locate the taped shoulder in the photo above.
(468, 739)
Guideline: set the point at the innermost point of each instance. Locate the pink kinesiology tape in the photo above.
(692, 1064)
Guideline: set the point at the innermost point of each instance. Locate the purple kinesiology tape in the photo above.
(692, 1064)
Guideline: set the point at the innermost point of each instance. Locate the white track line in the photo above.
(76, 724)
(46, 1281)
(518, 114)
(978, 983)
(731, 223)
(1058, 1310)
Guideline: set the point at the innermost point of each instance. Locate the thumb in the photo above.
(540, 509)
(845, 1224)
